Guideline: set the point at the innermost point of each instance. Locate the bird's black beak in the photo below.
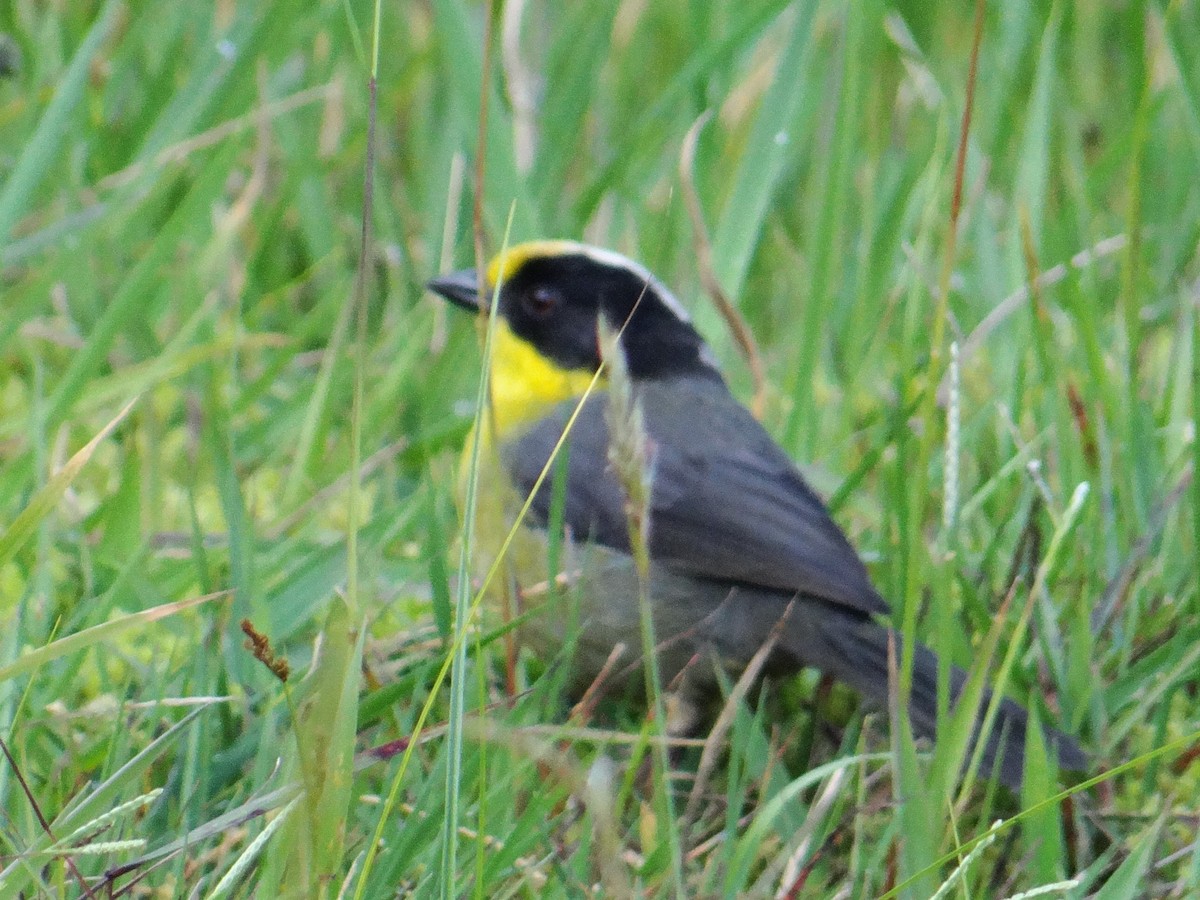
(460, 288)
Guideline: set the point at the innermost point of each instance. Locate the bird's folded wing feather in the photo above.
(726, 502)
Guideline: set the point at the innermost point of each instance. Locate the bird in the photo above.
(741, 550)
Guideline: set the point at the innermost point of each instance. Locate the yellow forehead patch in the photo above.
(505, 265)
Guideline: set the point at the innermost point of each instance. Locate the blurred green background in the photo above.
(181, 202)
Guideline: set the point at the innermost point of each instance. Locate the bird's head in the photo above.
(553, 294)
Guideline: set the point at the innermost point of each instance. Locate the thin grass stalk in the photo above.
(629, 455)
(463, 607)
(460, 634)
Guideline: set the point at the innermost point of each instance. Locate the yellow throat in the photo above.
(525, 384)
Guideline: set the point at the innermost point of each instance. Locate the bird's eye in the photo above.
(541, 300)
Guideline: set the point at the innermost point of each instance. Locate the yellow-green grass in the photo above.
(181, 210)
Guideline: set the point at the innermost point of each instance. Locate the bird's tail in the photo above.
(856, 651)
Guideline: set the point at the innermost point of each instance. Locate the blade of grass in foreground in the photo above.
(460, 630)
(455, 663)
(830, 204)
(462, 600)
(96, 802)
(43, 145)
(325, 733)
(23, 526)
(630, 459)
(758, 174)
(749, 845)
(1129, 880)
(73, 643)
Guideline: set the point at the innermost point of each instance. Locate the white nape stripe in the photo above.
(615, 260)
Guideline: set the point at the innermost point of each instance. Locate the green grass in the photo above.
(181, 200)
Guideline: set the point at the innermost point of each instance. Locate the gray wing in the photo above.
(726, 502)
